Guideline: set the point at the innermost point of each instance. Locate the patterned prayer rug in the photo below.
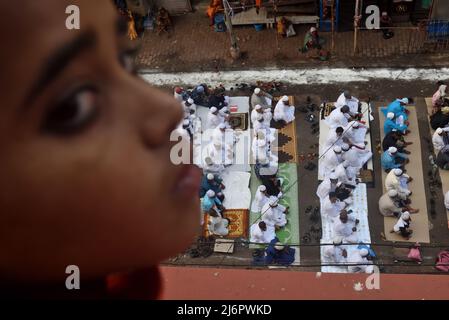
(238, 226)
(287, 139)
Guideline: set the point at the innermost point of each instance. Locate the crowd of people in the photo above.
(395, 202)
(343, 155)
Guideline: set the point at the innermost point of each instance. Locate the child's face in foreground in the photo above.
(85, 173)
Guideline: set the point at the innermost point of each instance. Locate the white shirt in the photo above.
(344, 229)
(259, 236)
(332, 210)
(213, 120)
(260, 199)
(352, 103)
(324, 188)
(254, 115)
(334, 254)
(274, 216)
(284, 112)
(438, 141)
(393, 182)
(337, 119)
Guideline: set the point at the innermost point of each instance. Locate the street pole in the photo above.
(235, 50)
(356, 23)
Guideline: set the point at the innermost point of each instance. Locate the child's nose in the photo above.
(162, 117)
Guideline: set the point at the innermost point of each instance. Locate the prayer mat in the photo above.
(238, 225)
(420, 221)
(239, 121)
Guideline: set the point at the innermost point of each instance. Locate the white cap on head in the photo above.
(333, 176)
(186, 122)
(392, 149)
(262, 188)
(222, 126)
(404, 100)
(439, 131)
(210, 193)
(210, 176)
(405, 215)
(257, 90)
(364, 252)
(337, 149)
(384, 13)
(313, 29)
(392, 193)
(258, 107)
(190, 100)
(397, 172)
(345, 147)
(285, 99)
(213, 109)
(390, 115)
(279, 246)
(337, 240)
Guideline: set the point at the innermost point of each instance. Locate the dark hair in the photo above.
(345, 109)
(262, 224)
(339, 129)
(332, 195)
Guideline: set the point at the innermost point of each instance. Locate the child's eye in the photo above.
(73, 113)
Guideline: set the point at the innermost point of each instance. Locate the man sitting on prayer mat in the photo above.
(278, 253)
(217, 99)
(346, 174)
(284, 111)
(259, 124)
(392, 205)
(392, 159)
(218, 225)
(346, 99)
(274, 214)
(399, 108)
(262, 233)
(214, 183)
(256, 113)
(440, 119)
(335, 138)
(402, 226)
(356, 156)
(439, 99)
(331, 160)
(339, 118)
(362, 257)
(391, 123)
(355, 134)
(189, 107)
(345, 227)
(336, 253)
(210, 202)
(443, 158)
(397, 180)
(199, 94)
(260, 97)
(395, 139)
(332, 206)
(213, 119)
(440, 139)
(267, 117)
(329, 184)
(224, 115)
(260, 199)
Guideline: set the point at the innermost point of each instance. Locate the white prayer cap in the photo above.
(404, 100)
(210, 193)
(190, 100)
(285, 99)
(439, 131)
(337, 240)
(394, 130)
(279, 246)
(210, 176)
(333, 176)
(345, 147)
(390, 115)
(364, 252)
(257, 90)
(262, 188)
(221, 126)
(384, 13)
(273, 201)
(313, 29)
(405, 215)
(392, 193)
(397, 172)
(186, 122)
(392, 149)
(337, 149)
(258, 107)
(213, 109)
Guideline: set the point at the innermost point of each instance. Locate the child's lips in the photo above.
(188, 181)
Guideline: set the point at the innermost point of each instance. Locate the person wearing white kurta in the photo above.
(210, 167)
(267, 117)
(260, 149)
(341, 172)
(336, 253)
(213, 119)
(438, 139)
(255, 113)
(329, 184)
(273, 213)
(355, 133)
(331, 160)
(338, 118)
(335, 138)
(397, 180)
(218, 225)
(359, 256)
(189, 107)
(357, 157)
(224, 117)
(446, 200)
(260, 199)
(345, 227)
(262, 233)
(332, 207)
(261, 98)
(283, 111)
(346, 99)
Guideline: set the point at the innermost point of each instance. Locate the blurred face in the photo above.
(86, 177)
